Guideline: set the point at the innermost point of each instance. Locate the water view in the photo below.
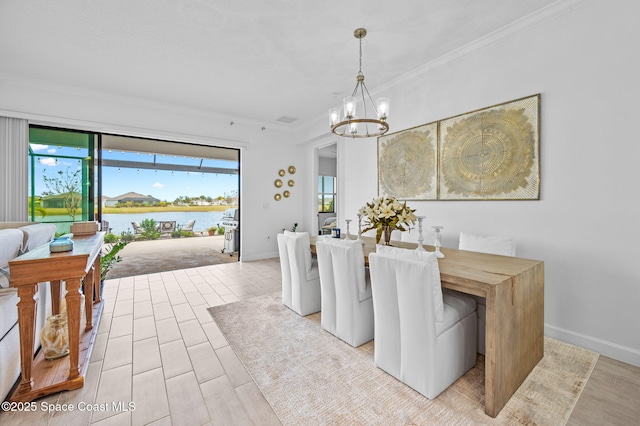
(122, 222)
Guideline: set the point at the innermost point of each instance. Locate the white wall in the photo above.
(263, 152)
(585, 226)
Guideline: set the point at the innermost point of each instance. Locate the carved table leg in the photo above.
(26, 322)
(88, 302)
(96, 279)
(73, 319)
(55, 297)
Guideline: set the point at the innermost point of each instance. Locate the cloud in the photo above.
(38, 147)
(158, 185)
(51, 162)
(51, 151)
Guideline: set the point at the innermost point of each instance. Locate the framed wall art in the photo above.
(407, 163)
(489, 154)
(492, 153)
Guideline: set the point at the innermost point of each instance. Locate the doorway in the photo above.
(327, 188)
(173, 190)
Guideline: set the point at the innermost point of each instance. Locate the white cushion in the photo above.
(307, 243)
(8, 311)
(429, 257)
(37, 235)
(492, 244)
(10, 245)
(456, 306)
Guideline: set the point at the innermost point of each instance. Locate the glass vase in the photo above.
(55, 337)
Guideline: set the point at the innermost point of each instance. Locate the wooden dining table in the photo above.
(514, 291)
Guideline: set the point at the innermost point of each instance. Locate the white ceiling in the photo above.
(256, 60)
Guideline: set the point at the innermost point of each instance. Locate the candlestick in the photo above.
(360, 228)
(420, 239)
(347, 236)
(438, 252)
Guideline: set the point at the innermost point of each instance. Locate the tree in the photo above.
(67, 186)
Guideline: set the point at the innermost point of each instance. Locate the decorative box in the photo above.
(60, 244)
(84, 228)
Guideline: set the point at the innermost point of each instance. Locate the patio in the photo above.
(169, 254)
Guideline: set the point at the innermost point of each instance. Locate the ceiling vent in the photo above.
(286, 119)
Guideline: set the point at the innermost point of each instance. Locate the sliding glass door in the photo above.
(61, 176)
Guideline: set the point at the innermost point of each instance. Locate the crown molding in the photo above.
(548, 13)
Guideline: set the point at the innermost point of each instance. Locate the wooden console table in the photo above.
(41, 377)
(514, 291)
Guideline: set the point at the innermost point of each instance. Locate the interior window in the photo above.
(326, 194)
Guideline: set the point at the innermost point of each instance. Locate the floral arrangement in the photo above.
(386, 214)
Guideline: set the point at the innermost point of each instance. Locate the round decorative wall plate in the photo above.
(282, 172)
(278, 183)
(292, 170)
(291, 182)
(277, 197)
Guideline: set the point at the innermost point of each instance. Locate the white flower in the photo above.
(387, 211)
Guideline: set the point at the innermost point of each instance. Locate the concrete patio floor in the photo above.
(169, 254)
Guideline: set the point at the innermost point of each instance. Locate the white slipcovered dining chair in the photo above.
(423, 337)
(300, 278)
(492, 244)
(347, 306)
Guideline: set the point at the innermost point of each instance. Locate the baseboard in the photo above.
(603, 347)
(258, 256)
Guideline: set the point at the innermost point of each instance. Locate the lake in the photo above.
(122, 222)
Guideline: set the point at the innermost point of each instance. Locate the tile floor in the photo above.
(158, 349)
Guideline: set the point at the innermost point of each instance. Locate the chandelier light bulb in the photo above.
(353, 128)
(349, 104)
(334, 116)
(383, 108)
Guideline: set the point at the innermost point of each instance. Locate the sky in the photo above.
(161, 184)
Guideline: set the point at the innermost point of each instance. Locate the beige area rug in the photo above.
(311, 377)
(170, 254)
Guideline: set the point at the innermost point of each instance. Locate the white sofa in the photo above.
(17, 238)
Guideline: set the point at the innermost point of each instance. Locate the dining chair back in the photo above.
(300, 278)
(347, 306)
(426, 349)
(492, 244)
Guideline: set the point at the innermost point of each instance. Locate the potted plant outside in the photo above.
(109, 259)
(212, 230)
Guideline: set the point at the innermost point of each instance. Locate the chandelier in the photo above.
(348, 124)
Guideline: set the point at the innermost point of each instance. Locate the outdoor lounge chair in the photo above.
(189, 226)
(137, 229)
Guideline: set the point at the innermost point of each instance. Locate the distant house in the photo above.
(200, 202)
(58, 201)
(109, 201)
(132, 197)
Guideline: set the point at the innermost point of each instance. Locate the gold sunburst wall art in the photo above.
(492, 154)
(489, 154)
(407, 163)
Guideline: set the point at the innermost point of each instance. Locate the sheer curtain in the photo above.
(14, 169)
